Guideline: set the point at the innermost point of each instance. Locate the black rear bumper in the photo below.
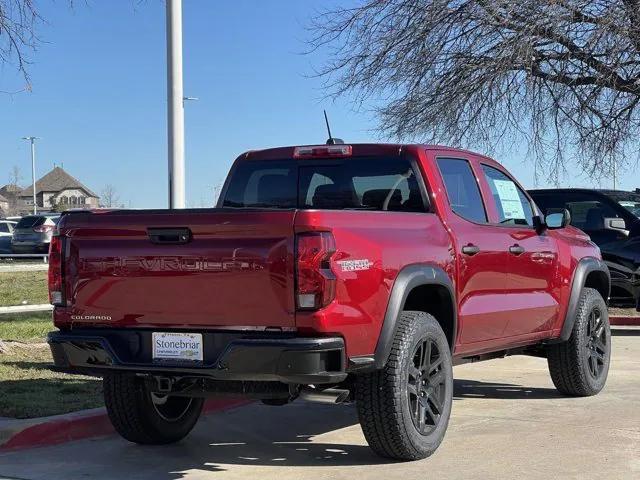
(227, 356)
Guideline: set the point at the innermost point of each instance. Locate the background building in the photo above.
(55, 191)
(4, 206)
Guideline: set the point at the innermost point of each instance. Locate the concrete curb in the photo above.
(625, 321)
(44, 307)
(48, 431)
(24, 268)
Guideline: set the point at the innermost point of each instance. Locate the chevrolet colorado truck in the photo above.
(329, 273)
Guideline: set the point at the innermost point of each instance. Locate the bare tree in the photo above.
(18, 19)
(109, 196)
(15, 176)
(487, 73)
(12, 190)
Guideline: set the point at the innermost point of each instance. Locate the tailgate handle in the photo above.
(169, 236)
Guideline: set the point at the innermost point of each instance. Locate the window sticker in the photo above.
(509, 199)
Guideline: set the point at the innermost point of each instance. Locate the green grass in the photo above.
(18, 287)
(28, 388)
(25, 328)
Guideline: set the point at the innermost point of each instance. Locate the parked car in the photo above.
(32, 234)
(610, 218)
(328, 273)
(6, 232)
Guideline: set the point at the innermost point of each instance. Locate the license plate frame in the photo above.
(177, 347)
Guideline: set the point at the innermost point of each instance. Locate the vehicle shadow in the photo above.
(296, 435)
(29, 365)
(469, 389)
(300, 434)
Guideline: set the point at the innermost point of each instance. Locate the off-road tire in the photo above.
(137, 418)
(570, 365)
(383, 397)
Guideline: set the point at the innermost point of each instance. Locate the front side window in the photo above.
(512, 205)
(462, 189)
(587, 211)
(629, 200)
(589, 214)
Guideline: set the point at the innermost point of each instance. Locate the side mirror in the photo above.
(557, 218)
(615, 224)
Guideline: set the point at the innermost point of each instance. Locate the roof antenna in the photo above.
(331, 140)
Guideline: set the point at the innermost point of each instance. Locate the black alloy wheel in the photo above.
(596, 344)
(426, 386)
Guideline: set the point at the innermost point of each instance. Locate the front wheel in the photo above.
(579, 366)
(404, 408)
(144, 417)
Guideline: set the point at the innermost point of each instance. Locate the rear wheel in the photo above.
(579, 366)
(142, 416)
(404, 408)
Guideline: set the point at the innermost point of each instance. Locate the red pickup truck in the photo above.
(329, 273)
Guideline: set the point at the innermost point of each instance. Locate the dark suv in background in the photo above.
(611, 219)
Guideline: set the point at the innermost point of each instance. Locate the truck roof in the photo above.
(359, 149)
(602, 191)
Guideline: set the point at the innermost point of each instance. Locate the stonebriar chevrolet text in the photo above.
(330, 273)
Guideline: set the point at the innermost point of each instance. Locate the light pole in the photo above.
(175, 104)
(33, 170)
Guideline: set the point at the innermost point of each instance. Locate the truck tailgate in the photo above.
(235, 269)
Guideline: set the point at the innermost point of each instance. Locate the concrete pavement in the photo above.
(507, 422)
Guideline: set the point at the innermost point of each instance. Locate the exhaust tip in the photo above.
(329, 395)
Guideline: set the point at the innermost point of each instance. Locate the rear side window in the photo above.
(513, 206)
(462, 189)
(30, 222)
(378, 183)
(263, 185)
(4, 228)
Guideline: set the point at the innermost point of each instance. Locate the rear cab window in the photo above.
(357, 183)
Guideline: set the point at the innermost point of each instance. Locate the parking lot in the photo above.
(507, 422)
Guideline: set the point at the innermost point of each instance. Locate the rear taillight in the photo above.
(44, 228)
(56, 285)
(316, 283)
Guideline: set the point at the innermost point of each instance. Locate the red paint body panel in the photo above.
(238, 270)
(362, 296)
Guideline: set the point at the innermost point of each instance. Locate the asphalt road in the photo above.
(508, 422)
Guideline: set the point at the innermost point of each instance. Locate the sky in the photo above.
(98, 98)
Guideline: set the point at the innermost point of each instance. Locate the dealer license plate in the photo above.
(181, 347)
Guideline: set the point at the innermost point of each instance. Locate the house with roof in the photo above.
(57, 190)
(4, 206)
(9, 199)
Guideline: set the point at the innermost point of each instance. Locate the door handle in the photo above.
(169, 236)
(470, 249)
(516, 249)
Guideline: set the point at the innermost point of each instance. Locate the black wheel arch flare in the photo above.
(582, 277)
(409, 278)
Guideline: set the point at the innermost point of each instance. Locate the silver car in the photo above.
(33, 234)
(6, 232)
